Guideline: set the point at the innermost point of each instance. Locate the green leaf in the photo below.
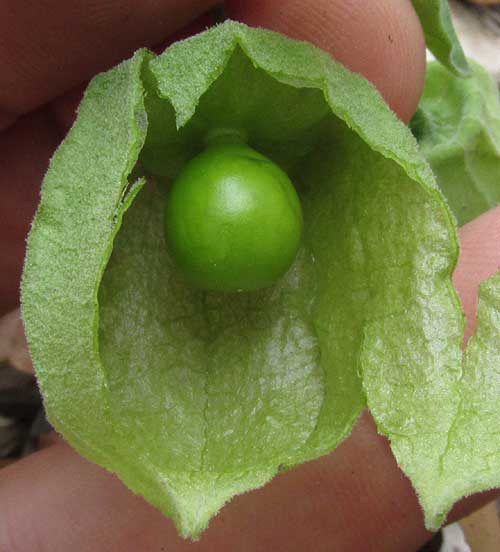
(440, 36)
(458, 129)
(83, 199)
(448, 438)
(193, 397)
(473, 449)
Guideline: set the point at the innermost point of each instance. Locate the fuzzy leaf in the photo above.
(458, 129)
(80, 211)
(473, 449)
(440, 35)
(193, 397)
(447, 440)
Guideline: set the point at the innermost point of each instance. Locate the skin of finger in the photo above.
(46, 48)
(24, 157)
(382, 40)
(65, 107)
(479, 259)
(354, 499)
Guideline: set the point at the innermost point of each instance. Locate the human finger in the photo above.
(354, 499)
(49, 47)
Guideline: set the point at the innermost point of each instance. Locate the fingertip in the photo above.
(381, 40)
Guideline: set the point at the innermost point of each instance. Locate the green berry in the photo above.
(233, 220)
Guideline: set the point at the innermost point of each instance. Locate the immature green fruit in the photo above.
(233, 220)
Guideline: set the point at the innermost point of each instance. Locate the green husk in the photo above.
(440, 36)
(458, 128)
(193, 397)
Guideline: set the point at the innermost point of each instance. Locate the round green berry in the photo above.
(233, 220)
